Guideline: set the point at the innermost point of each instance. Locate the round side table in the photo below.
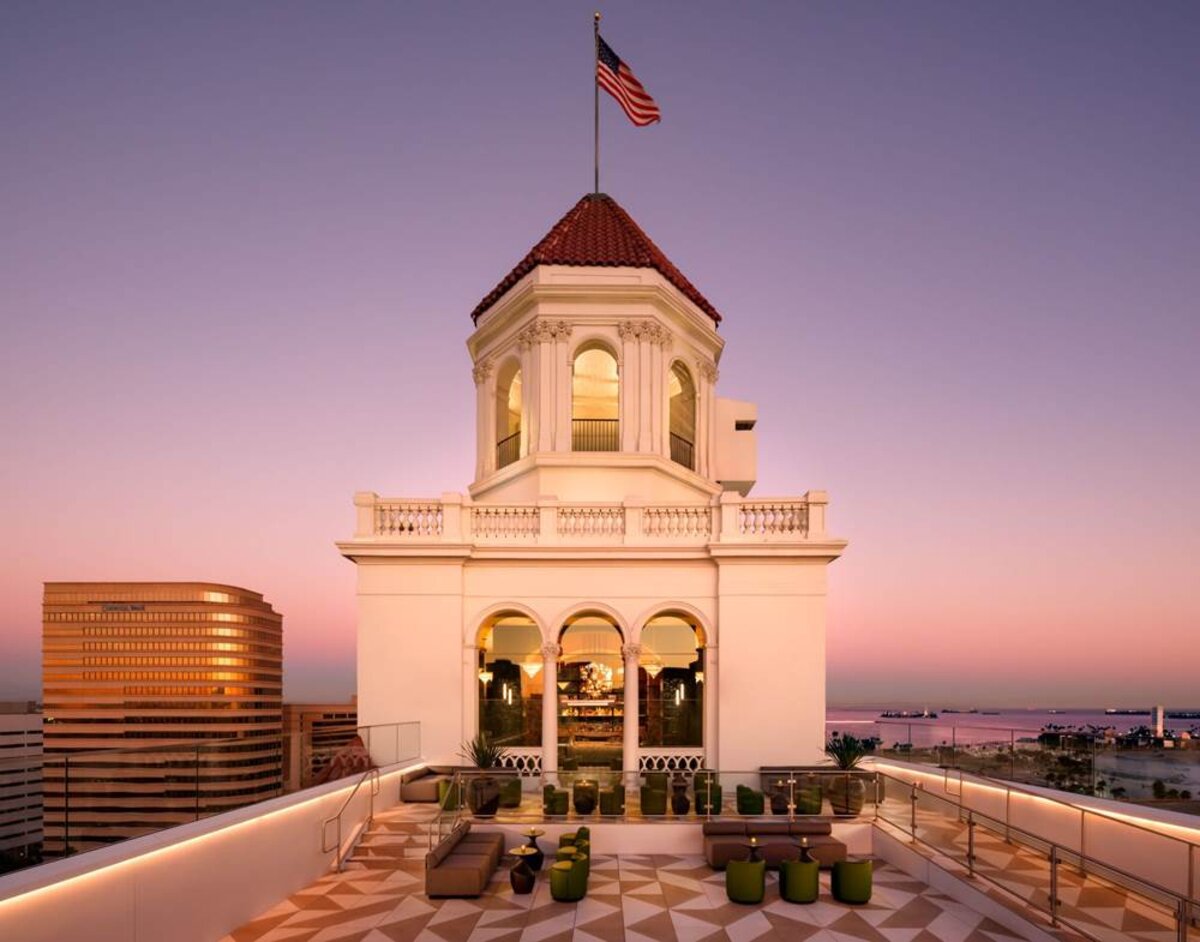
(521, 876)
(537, 858)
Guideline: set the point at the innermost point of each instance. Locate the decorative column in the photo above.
(564, 368)
(660, 346)
(706, 447)
(628, 371)
(485, 419)
(711, 690)
(632, 654)
(530, 381)
(644, 441)
(550, 655)
(544, 334)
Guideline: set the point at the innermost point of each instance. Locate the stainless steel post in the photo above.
(971, 843)
(1054, 884)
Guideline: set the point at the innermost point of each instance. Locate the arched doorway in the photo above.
(510, 680)
(591, 682)
(595, 401)
(672, 684)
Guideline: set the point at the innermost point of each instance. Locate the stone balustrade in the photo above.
(455, 519)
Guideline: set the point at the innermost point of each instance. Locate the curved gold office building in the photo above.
(184, 679)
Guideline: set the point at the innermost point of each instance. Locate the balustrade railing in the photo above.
(683, 452)
(727, 519)
(492, 522)
(415, 518)
(508, 450)
(773, 518)
(597, 520)
(683, 521)
(595, 434)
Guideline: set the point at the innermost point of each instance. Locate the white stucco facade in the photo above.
(654, 519)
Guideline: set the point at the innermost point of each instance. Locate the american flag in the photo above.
(616, 78)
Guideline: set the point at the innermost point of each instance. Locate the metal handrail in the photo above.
(1056, 852)
(373, 775)
(1010, 787)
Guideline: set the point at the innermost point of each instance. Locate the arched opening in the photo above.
(682, 416)
(591, 681)
(508, 415)
(672, 684)
(510, 681)
(595, 397)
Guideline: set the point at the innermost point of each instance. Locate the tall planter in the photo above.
(483, 796)
(847, 794)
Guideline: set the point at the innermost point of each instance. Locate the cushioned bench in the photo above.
(725, 841)
(422, 784)
(463, 863)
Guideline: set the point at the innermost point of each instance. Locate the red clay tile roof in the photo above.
(597, 231)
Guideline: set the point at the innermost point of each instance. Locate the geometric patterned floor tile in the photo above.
(664, 898)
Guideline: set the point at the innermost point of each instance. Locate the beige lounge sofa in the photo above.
(463, 863)
(421, 784)
(780, 840)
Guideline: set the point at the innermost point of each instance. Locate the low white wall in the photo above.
(1144, 842)
(191, 883)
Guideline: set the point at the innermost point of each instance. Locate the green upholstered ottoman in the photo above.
(612, 801)
(654, 800)
(568, 879)
(554, 800)
(749, 801)
(571, 838)
(851, 881)
(745, 881)
(510, 793)
(798, 880)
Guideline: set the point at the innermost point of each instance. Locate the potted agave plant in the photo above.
(846, 793)
(483, 791)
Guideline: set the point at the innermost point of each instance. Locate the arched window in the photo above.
(510, 681)
(508, 415)
(595, 391)
(683, 416)
(672, 678)
(591, 678)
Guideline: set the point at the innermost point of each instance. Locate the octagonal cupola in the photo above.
(595, 363)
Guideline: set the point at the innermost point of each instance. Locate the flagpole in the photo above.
(596, 94)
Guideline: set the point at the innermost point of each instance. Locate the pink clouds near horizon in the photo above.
(954, 247)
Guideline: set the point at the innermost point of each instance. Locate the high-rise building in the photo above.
(184, 679)
(313, 733)
(20, 783)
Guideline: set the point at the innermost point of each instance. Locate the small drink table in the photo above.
(521, 876)
(755, 846)
(537, 858)
(805, 855)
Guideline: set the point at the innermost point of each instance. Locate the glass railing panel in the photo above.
(96, 798)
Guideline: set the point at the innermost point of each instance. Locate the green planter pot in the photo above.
(846, 794)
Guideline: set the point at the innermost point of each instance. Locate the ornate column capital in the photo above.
(708, 370)
(657, 334)
(631, 652)
(551, 651)
(629, 330)
(481, 371)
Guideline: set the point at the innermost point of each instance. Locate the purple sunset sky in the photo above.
(957, 247)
